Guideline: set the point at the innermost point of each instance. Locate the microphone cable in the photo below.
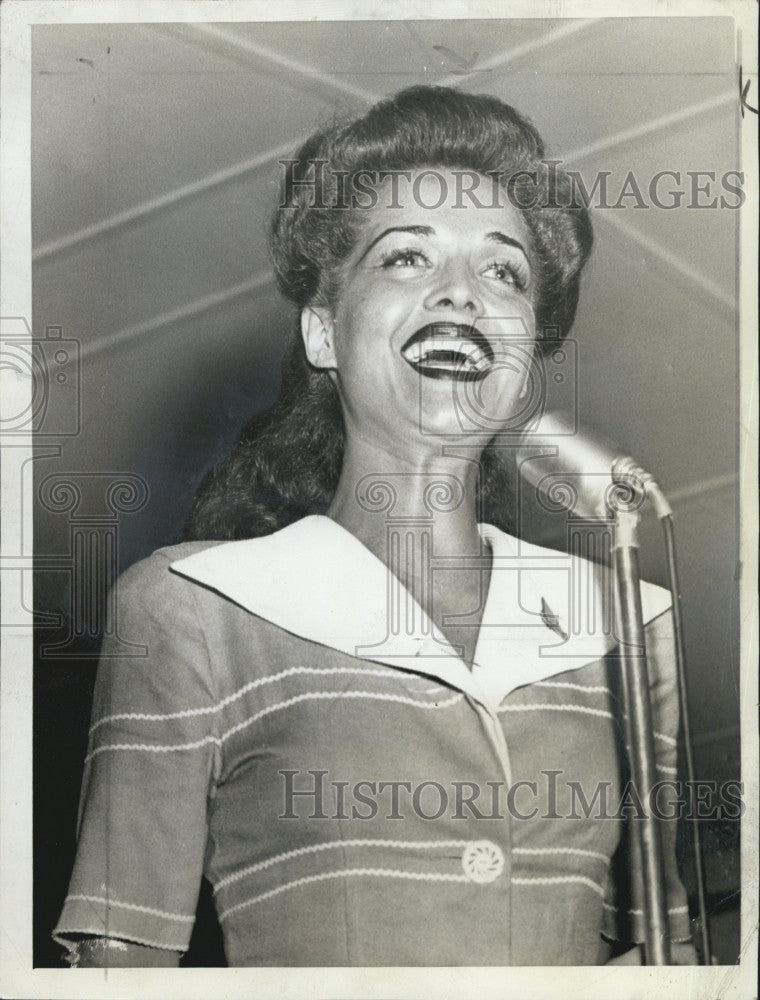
(670, 548)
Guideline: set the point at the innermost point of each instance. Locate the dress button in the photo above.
(483, 861)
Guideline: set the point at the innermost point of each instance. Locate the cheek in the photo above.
(367, 320)
(516, 307)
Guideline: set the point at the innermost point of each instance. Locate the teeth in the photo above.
(453, 354)
(453, 345)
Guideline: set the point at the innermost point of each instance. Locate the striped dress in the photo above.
(293, 727)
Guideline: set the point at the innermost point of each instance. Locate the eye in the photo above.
(404, 257)
(508, 273)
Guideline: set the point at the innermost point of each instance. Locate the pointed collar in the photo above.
(318, 581)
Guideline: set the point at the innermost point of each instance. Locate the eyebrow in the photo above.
(508, 241)
(495, 236)
(414, 230)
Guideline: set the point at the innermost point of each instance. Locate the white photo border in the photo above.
(17, 976)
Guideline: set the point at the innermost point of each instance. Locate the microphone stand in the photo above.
(628, 476)
(639, 731)
(595, 458)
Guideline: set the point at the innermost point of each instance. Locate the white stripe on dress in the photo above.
(309, 696)
(591, 688)
(326, 845)
(343, 873)
(580, 851)
(241, 692)
(559, 880)
(110, 901)
(584, 709)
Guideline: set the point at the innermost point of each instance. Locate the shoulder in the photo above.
(539, 562)
(150, 592)
(208, 584)
(155, 570)
(155, 648)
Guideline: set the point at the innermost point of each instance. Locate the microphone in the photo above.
(583, 471)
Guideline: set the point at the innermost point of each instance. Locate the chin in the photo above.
(468, 410)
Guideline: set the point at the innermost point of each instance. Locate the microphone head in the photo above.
(578, 471)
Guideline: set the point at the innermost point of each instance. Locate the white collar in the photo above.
(318, 581)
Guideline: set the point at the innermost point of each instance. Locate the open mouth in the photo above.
(449, 351)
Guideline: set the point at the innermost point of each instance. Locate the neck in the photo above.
(438, 491)
(413, 513)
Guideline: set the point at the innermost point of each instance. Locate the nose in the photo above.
(454, 288)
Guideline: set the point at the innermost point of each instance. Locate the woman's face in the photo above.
(433, 330)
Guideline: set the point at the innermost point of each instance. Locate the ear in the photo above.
(318, 332)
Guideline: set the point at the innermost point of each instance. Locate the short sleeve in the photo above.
(624, 913)
(149, 770)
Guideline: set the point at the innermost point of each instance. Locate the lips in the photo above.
(449, 351)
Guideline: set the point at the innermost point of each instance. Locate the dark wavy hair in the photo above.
(287, 461)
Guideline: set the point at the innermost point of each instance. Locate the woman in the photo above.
(366, 719)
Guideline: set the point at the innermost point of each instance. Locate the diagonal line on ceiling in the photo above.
(648, 127)
(130, 334)
(714, 292)
(510, 55)
(285, 62)
(703, 488)
(158, 204)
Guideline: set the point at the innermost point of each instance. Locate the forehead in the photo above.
(461, 202)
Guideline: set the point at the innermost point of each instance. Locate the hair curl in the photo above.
(287, 461)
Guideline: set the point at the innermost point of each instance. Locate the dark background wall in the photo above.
(154, 164)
